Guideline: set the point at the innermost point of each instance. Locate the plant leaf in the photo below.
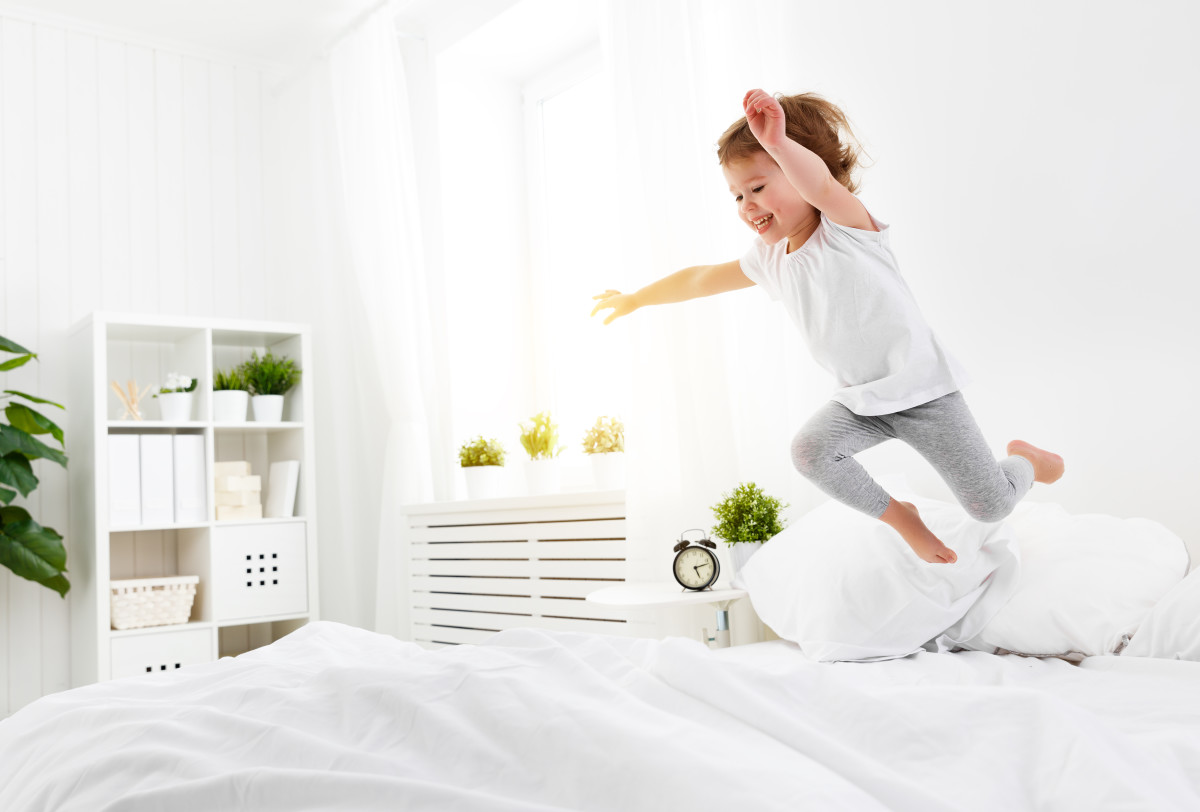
(7, 345)
(19, 361)
(31, 422)
(13, 439)
(6, 495)
(16, 471)
(34, 398)
(32, 551)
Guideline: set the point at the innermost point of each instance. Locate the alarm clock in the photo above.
(696, 566)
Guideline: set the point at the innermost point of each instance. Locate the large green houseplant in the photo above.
(27, 548)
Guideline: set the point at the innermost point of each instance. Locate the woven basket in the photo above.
(140, 602)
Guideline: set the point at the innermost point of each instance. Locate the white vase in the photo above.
(541, 476)
(484, 481)
(740, 553)
(229, 405)
(176, 407)
(609, 470)
(267, 408)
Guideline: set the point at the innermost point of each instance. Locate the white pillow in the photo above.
(844, 586)
(1086, 581)
(1171, 630)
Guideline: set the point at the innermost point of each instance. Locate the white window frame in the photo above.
(547, 84)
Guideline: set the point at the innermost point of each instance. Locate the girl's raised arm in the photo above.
(803, 168)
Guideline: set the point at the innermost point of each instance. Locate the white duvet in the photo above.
(333, 717)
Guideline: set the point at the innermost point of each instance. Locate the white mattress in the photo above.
(334, 717)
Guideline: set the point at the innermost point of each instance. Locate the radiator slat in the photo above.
(510, 568)
(536, 548)
(526, 606)
(589, 529)
(439, 619)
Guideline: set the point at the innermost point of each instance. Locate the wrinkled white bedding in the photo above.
(334, 717)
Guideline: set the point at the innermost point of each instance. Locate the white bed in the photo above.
(334, 717)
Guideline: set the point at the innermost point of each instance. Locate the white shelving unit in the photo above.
(258, 578)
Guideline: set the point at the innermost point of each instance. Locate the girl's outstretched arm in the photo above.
(690, 283)
(803, 168)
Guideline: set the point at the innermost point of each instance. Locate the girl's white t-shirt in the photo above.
(844, 291)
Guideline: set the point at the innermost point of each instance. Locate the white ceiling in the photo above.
(276, 31)
(510, 37)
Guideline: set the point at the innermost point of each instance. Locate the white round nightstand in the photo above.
(667, 594)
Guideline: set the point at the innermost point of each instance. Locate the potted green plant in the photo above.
(482, 463)
(539, 438)
(28, 549)
(269, 378)
(604, 443)
(746, 520)
(230, 396)
(175, 398)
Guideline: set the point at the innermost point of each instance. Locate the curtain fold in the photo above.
(716, 382)
(378, 314)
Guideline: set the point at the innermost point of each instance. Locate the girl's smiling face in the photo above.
(767, 201)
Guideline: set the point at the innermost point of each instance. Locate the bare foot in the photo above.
(905, 520)
(1047, 467)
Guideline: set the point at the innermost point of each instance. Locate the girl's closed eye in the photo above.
(756, 190)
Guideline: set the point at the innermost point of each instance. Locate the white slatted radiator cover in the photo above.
(479, 567)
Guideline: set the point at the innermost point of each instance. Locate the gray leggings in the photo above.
(943, 431)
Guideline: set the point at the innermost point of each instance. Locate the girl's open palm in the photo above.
(765, 117)
(621, 304)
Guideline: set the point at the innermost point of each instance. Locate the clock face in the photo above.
(696, 567)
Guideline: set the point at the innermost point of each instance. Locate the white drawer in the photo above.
(259, 571)
(156, 652)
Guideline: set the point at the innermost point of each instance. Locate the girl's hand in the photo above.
(766, 118)
(621, 304)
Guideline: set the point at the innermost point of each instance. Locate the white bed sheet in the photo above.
(334, 717)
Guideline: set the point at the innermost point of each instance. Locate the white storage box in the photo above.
(259, 570)
(160, 651)
(140, 602)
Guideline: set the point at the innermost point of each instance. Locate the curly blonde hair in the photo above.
(812, 122)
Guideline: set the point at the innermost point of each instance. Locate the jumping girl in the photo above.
(829, 260)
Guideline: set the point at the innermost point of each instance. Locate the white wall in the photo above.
(130, 180)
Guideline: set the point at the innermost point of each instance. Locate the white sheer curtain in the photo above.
(400, 294)
(719, 383)
(377, 312)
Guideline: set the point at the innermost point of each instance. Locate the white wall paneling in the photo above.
(130, 180)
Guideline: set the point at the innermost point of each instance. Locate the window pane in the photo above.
(585, 364)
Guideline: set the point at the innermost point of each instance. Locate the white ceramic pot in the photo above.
(609, 470)
(229, 405)
(541, 476)
(741, 552)
(176, 407)
(484, 481)
(267, 408)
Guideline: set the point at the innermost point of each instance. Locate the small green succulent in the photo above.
(479, 451)
(539, 437)
(269, 375)
(608, 435)
(747, 514)
(235, 378)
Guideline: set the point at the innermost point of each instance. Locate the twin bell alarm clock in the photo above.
(696, 566)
